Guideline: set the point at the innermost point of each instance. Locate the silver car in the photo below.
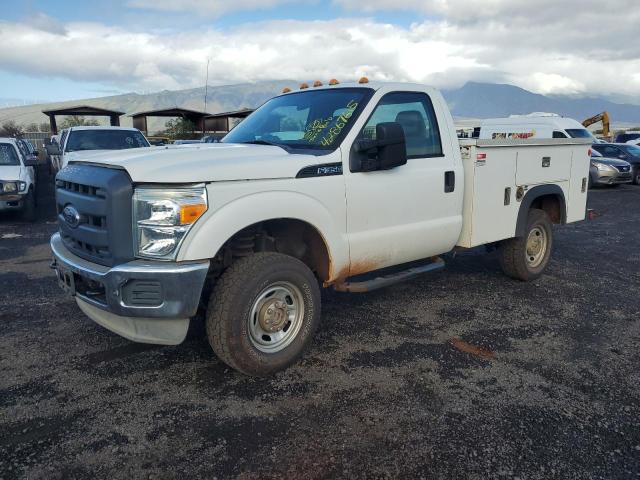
(608, 171)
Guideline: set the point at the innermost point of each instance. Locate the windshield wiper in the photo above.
(265, 142)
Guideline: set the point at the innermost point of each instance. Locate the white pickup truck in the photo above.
(82, 141)
(17, 178)
(321, 187)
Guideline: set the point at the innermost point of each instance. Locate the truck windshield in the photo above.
(8, 155)
(104, 140)
(311, 119)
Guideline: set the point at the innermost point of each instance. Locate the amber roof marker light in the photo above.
(303, 86)
(363, 80)
(286, 90)
(317, 83)
(333, 81)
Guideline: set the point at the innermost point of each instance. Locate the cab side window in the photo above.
(414, 112)
(557, 134)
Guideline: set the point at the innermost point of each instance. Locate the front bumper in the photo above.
(612, 178)
(11, 202)
(141, 300)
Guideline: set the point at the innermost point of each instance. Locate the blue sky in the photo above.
(58, 50)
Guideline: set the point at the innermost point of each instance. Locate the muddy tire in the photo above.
(525, 258)
(29, 207)
(263, 312)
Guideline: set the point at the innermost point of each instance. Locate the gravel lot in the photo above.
(463, 373)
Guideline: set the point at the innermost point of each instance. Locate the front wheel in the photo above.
(636, 176)
(526, 258)
(263, 313)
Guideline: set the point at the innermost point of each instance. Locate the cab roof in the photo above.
(373, 85)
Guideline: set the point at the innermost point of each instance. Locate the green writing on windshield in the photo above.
(326, 130)
(341, 122)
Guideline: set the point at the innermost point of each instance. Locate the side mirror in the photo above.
(388, 150)
(53, 149)
(31, 161)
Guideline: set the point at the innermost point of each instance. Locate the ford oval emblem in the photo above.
(71, 216)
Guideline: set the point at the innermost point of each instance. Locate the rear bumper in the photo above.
(138, 300)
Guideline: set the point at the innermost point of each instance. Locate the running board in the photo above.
(389, 279)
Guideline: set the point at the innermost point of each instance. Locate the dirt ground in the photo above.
(463, 373)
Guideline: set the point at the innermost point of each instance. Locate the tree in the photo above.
(77, 121)
(11, 129)
(179, 128)
(32, 127)
(44, 127)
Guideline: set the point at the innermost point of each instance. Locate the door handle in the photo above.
(449, 181)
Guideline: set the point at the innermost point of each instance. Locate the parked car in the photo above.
(158, 141)
(27, 148)
(313, 189)
(608, 171)
(625, 137)
(17, 178)
(622, 151)
(79, 142)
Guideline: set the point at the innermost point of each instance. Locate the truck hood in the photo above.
(204, 163)
(10, 172)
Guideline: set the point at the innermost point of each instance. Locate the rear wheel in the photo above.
(263, 312)
(526, 258)
(636, 176)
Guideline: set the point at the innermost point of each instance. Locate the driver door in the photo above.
(412, 211)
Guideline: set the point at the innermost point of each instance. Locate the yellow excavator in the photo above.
(601, 117)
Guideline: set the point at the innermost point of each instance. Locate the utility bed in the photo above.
(498, 174)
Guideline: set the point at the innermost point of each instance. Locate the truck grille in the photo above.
(94, 213)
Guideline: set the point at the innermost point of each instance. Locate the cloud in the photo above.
(208, 7)
(546, 46)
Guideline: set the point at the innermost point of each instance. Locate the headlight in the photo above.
(10, 187)
(602, 167)
(163, 216)
(22, 187)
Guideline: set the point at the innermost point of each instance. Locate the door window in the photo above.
(414, 112)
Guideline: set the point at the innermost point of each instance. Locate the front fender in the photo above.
(224, 220)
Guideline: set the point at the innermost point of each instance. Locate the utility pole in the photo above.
(206, 89)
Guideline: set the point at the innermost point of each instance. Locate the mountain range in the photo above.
(473, 100)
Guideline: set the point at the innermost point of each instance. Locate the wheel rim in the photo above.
(537, 243)
(276, 317)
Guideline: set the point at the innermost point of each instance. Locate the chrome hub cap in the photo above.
(276, 317)
(273, 316)
(536, 247)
